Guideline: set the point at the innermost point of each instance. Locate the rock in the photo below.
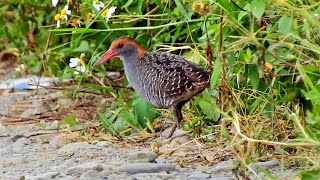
(75, 147)
(177, 132)
(106, 173)
(224, 166)
(79, 169)
(64, 165)
(5, 142)
(64, 177)
(44, 176)
(198, 176)
(57, 142)
(160, 160)
(136, 168)
(15, 159)
(104, 144)
(90, 175)
(22, 142)
(142, 156)
(53, 126)
(16, 137)
(4, 132)
(6, 151)
(265, 165)
(153, 176)
(224, 178)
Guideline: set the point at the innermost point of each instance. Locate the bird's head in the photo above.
(124, 48)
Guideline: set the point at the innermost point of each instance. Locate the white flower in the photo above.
(110, 12)
(98, 4)
(74, 62)
(64, 12)
(54, 3)
(80, 68)
(78, 65)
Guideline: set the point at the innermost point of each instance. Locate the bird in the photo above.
(165, 80)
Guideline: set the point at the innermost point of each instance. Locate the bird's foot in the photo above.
(174, 126)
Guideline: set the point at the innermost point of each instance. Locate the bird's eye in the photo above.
(120, 45)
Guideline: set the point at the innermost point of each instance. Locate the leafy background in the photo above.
(264, 57)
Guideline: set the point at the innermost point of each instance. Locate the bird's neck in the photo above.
(131, 68)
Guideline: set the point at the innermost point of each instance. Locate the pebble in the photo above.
(57, 142)
(142, 156)
(224, 166)
(4, 132)
(5, 142)
(48, 175)
(106, 173)
(75, 147)
(160, 160)
(21, 142)
(161, 176)
(265, 165)
(198, 176)
(104, 144)
(64, 177)
(53, 126)
(136, 168)
(16, 137)
(90, 175)
(79, 169)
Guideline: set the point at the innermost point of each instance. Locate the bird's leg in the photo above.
(178, 114)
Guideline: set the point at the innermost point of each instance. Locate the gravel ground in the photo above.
(35, 146)
(50, 156)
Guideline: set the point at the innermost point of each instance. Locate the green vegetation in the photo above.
(264, 98)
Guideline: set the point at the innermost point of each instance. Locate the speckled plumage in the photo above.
(164, 79)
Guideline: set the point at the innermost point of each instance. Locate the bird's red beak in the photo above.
(108, 55)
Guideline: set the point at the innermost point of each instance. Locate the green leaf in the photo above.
(143, 110)
(107, 125)
(310, 174)
(83, 46)
(314, 94)
(207, 108)
(70, 119)
(254, 76)
(284, 24)
(182, 10)
(215, 73)
(257, 8)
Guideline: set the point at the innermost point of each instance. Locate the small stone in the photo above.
(57, 142)
(104, 144)
(224, 166)
(4, 132)
(75, 147)
(5, 142)
(177, 132)
(160, 160)
(224, 178)
(53, 126)
(79, 169)
(142, 156)
(48, 175)
(106, 173)
(198, 176)
(265, 165)
(64, 177)
(90, 175)
(22, 142)
(136, 168)
(153, 176)
(16, 137)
